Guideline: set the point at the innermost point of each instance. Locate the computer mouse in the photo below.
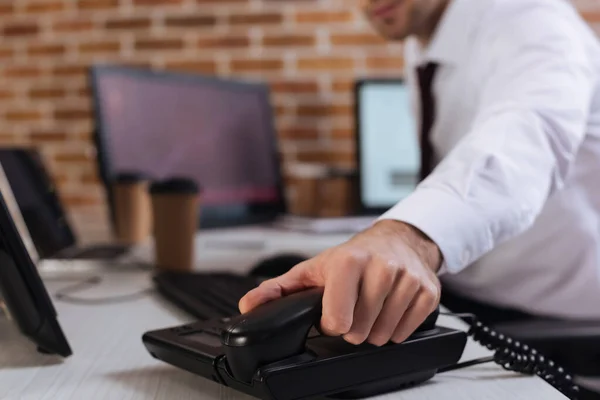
(276, 265)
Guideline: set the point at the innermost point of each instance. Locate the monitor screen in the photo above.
(38, 202)
(24, 292)
(388, 150)
(218, 133)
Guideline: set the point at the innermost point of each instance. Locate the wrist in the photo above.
(427, 250)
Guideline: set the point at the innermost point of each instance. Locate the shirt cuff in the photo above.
(460, 231)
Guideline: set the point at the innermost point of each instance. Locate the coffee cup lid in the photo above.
(175, 185)
(130, 177)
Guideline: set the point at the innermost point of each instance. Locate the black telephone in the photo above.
(274, 352)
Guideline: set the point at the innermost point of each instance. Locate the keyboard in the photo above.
(205, 295)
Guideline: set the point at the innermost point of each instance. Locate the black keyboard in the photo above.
(205, 295)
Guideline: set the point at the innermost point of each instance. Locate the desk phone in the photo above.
(272, 352)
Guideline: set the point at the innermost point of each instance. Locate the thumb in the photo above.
(296, 279)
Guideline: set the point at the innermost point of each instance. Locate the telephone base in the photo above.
(386, 386)
(329, 366)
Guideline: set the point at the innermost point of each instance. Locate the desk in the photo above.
(110, 361)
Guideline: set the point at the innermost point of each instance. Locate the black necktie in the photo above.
(426, 75)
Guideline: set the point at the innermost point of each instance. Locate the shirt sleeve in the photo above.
(532, 119)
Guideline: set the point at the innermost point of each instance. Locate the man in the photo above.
(508, 211)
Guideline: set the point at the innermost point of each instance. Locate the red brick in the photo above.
(204, 2)
(203, 67)
(90, 179)
(78, 24)
(255, 18)
(341, 133)
(85, 91)
(294, 86)
(280, 110)
(324, 110)
(72, 156)
(342, 86)
(97, 4)
(159, 44)
(297, 133)
(72, 114)
(7, 9)
(71, 71)
(6, 52)
(223, 41)
(128, 23)
(21, 29)
(48, 137)
(322, 17)
(7, 94)
(22, 71)
(105, 46)
(289, 40)
(256, 65)
(25, 115)
(326, 63)
(60, 179)
(385, 63)
(336, 157)
(188, 21)
(9, 139)
(46, 49)
(357, 39)
(47, 93)
(44, 6)
(156, 2)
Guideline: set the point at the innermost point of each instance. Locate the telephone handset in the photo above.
(276, 331)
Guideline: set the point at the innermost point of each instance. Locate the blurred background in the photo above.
(309, 52)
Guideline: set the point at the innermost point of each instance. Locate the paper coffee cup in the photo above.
(339, 193)
(175, 212)
(307, 184)
(133, 215)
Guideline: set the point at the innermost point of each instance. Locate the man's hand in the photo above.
(378, 286)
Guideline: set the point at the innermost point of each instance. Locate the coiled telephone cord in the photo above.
(513, 355)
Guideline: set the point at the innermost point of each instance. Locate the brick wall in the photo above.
(310, 51)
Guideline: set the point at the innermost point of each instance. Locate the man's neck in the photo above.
(426, 34)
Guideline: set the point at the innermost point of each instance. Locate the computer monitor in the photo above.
(17, 217)
(387, 149)
(37, 200)
(24, 293)
(218, 132)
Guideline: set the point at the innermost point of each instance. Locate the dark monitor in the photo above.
(218, 132)
(24, 293)
(38, 201)
(387, 149)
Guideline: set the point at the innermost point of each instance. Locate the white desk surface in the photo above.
(110, 361)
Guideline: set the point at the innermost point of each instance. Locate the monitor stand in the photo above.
(5, 315)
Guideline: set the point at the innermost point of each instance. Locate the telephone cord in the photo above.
(513, 355)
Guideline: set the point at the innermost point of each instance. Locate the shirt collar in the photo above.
(451, 41)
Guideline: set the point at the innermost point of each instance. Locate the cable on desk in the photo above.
(514, 356)
(65, 294)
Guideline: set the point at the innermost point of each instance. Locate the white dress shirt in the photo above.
(514, 202)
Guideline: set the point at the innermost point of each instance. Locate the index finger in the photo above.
(294, 280)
